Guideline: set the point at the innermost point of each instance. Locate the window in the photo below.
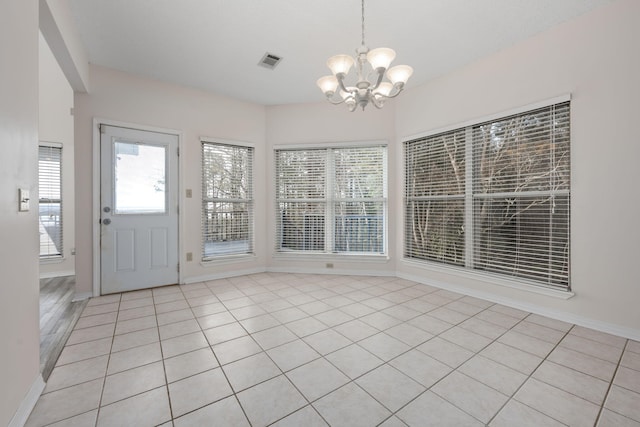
(493, 197)
(50, 200)
(331, 200)
(227, 200)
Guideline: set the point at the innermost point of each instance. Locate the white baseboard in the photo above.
(52, 274)
(337, 271)
(28, 403)
(586, 322)
(80, 296)
(223, 275)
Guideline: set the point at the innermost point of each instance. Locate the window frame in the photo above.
(229, 256)
(471, 196)
(45, 257)
(329, 201)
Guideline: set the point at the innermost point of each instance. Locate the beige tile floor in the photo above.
(314, 350)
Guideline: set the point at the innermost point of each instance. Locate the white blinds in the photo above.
(227, 200)
(359, 203)
(521, 195)
(50, 200)
(331, 199)
(435, 190)
(494, 196)
(301, 188)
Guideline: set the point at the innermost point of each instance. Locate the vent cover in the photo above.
(269, 60)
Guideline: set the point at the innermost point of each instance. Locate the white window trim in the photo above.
(330, 256)
(55, 259)
(223, 141)
(489, 278)
(336, 145)
(491, 117)
(232, 258)
(228, 259)
(468, 271)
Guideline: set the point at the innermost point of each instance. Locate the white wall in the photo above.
(596, 59)
(322, 123)
(56, 125)
(122, 97)
(19, 289)
(58, 28)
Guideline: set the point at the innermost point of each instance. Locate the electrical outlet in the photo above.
(329, 265)
(189, 256)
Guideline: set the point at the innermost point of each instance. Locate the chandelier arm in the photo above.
(398, 89)
(394, 92)
(340, 77)
(380, 72)
(336, 102)
(378, 100)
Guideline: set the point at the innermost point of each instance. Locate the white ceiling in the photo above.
(215, 45)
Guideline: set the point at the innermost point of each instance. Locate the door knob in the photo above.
(107, 209)
(106, 221)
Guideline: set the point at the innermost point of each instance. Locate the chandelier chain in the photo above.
(362, 22)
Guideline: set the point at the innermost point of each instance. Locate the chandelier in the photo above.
(371, 67)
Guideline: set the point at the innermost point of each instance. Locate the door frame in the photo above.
(95, 211)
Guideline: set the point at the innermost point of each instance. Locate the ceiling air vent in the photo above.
(269, 60)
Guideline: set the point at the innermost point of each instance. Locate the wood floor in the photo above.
(58, 315)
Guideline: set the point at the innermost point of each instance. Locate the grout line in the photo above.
(104, 379)
(615, 372)
(234, 394)
(164, 368)
(530, 376)
(316, 287)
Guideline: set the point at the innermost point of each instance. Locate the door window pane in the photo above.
(139, 173)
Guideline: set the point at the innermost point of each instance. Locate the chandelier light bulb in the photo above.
(399, 74)
(340, 64)
(384, 89)
(381, 57)
(328, 84)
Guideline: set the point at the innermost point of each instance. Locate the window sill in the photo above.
(324, 257)
(491, 279)
(52, 260)
(228, 259)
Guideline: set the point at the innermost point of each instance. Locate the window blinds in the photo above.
(331, 199)
(521, 195)
(227, 200)
(494, 196)
(435, 195)
(359, 202)
(301, 199)
(50, 200)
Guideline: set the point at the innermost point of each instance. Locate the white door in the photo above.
(139, 209)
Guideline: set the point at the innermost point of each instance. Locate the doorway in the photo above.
(138, 209)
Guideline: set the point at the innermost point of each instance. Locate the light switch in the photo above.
(23, 199)
(189, 193)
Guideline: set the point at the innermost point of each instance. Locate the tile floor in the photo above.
(314, 350)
